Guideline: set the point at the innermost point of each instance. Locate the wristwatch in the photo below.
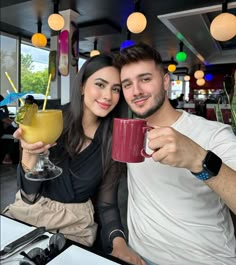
(210, 166)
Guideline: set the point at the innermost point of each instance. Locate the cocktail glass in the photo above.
(45, 126)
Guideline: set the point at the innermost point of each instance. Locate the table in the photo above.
(73, 254)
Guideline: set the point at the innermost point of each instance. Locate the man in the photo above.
(179, 200)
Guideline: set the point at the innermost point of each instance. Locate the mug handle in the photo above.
(143, 151)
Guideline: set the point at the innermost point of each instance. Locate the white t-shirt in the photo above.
(174, 218)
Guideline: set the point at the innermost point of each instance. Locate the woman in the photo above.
(84, 153)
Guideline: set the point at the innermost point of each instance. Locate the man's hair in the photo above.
(138, 52)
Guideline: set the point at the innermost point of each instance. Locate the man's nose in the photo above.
(137, 88)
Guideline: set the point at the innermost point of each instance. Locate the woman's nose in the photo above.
(107, 94)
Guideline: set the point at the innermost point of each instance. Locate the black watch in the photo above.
(210, 166)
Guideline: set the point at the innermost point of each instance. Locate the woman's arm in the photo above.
(112, 232)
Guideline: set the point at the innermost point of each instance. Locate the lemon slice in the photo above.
(25, 114)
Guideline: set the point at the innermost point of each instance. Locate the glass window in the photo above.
(9, 64)
(34, 70)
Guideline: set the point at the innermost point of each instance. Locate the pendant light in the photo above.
(128, 42)
(38, 39)
(172, 65)
(136, 21)
(223, 27)
(56, 21)
(95, 52)
(181, 56)
(199, 73)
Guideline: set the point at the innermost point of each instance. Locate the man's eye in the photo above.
(126, 85)
(146, 79)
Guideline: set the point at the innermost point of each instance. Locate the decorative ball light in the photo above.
(136, 22)
(209, 77)
(199, 74)
(94, 53)
(126, 44)
(171, 68)
(39, 40)
(56, 22)
(181, 56)
(201, 82)
(186, 77)
(223, 27)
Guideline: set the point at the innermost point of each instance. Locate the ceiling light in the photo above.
(209, 77)
(201, 82)
(171, 68)
(136, 21)
(223, 27)
(181, 56)
(95, 52)
(128, 42)
(198, 74)
(56, 21)
(186, 78)
(172, 65)
(38, 39)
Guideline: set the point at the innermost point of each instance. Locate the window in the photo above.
(34, 69)
(9, 63)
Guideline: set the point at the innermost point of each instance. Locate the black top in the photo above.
(82, 178)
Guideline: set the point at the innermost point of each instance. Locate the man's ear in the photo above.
(166, 81)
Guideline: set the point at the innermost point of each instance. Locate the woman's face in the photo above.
(102, 91)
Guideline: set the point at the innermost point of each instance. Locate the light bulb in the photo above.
(201, 82)
(39, 40)
(56, 22)
(94, 53)
(171, 68)
(223, 27)
(136, 22)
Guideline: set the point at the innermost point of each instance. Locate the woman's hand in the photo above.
(30, 151)
(123, 252)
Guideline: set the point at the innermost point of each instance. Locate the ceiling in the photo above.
(168, 23)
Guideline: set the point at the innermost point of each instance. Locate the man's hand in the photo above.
(175, 149)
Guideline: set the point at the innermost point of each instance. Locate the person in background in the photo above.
(90, 177)
(30, 99)
(181, 101)
(7, 126)
(180, 199)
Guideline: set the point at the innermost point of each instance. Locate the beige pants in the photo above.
(74, 220)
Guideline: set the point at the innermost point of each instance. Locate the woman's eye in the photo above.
(116, 89)
(101, 85)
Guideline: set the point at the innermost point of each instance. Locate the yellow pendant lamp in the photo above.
(38, 39)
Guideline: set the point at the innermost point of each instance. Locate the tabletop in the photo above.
(72, 254)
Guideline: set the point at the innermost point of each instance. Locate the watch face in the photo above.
(212, 163)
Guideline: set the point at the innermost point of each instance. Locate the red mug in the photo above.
(128, 140)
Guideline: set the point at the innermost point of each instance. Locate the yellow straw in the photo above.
(47, 92)
(13, 86)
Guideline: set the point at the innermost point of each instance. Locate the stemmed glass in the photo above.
(45, 126)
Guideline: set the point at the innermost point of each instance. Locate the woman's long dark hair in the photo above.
(73, 136)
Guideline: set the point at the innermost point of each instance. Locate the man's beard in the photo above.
(159, 101)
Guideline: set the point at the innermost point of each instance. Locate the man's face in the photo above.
(144, 87)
